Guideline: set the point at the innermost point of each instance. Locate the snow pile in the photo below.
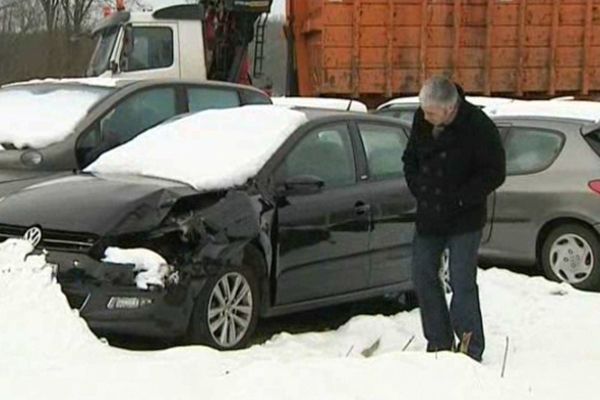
(151, 268)
(37, 322)
(321, 102)
(33, 118)
(47, 352)
(213, 149)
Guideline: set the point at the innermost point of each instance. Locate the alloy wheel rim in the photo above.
(445, 271)
(571, 258)
(230, 309)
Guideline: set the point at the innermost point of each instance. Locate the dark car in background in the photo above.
(54, 126)
(326, 218)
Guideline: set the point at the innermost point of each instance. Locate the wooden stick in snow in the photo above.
(505, 357)
(408, 343)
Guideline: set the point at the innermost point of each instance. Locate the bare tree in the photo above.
(75, 13)
(51, 13)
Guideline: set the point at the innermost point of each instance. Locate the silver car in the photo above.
(547, 212)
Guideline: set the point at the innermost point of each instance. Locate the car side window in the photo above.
(403, 114)
(503, 130)
(151, 47)
(200, 99)
(128, 119)
(530, 150)
(384, 146)
(253, 97)
(325, 153)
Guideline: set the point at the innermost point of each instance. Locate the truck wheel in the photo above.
(226, 311)
(571, 253)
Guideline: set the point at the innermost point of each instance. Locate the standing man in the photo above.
(453, 161)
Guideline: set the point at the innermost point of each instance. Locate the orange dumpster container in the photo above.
(377, 49)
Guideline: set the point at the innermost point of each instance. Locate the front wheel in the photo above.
(226, 311)
(571, 253)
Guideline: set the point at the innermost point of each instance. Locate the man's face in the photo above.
(437, 115)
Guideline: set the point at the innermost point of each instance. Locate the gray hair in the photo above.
(438, 91)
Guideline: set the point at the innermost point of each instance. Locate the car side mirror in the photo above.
(299, 185)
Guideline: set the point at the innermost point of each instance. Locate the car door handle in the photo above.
(362, 208)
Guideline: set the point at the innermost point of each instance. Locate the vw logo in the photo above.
(33, 236)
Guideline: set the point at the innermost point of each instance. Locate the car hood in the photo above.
(99, 205)
(12, 180)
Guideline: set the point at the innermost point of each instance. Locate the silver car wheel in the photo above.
(445, 271)
(230, 309)
(571, 258)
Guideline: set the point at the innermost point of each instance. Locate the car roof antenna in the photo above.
(349, 105)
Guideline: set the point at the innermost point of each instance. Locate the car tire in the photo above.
(571, 253)
(225, 316)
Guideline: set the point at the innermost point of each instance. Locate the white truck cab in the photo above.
(207, 40)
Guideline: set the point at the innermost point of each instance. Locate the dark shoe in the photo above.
(463, 347)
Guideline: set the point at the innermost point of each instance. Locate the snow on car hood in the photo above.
(214, 149)
(39, 115)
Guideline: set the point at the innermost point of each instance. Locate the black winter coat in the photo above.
(452, 175)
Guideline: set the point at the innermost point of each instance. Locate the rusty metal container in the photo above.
(377, 49)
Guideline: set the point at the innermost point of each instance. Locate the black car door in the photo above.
(392, 205)
(322, 236)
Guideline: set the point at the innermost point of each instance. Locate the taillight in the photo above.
(595, 186)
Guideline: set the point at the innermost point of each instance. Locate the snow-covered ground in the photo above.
(47, 351)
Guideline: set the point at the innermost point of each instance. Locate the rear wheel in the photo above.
(571, 253)
(226, 311)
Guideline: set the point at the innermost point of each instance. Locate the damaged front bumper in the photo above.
(108, 299)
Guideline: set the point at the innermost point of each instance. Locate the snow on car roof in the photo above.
(319, 102)
(92, 81)
(481, 101)
(213, 149)
(32, 116)
(573, 109)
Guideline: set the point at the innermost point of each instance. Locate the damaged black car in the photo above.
(313, 213)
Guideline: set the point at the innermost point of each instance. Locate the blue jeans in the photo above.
(464, 316)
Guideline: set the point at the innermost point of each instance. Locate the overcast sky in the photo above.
(278, 5)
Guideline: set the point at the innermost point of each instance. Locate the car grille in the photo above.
(53, 240)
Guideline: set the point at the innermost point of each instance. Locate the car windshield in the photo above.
(100, 61)
(37, 115)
